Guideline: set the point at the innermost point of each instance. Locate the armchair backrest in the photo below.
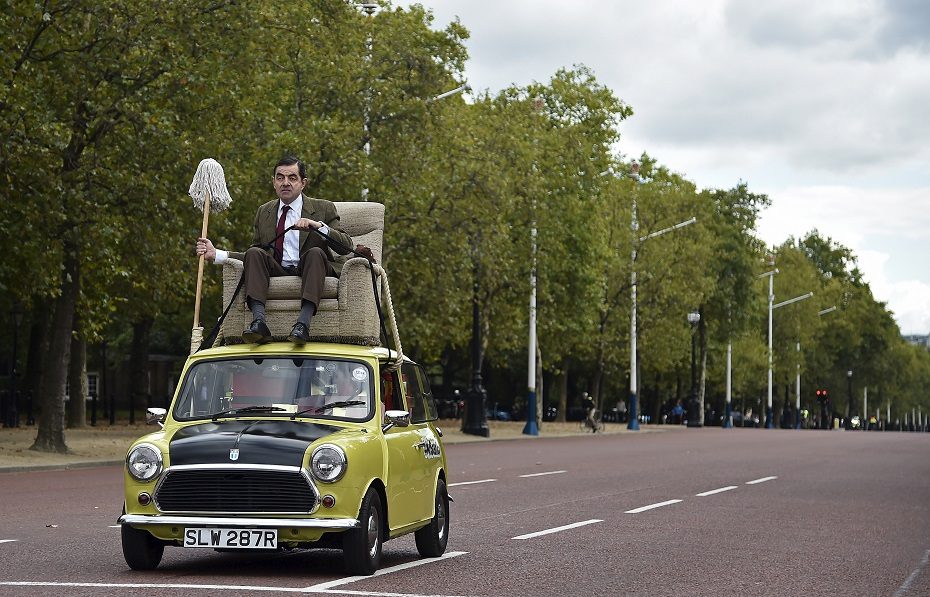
(364, 222)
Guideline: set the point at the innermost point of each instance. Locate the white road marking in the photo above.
(115, 526)
(470, 482)
(149, 586)
(651, 506)
(8, 540)
(343, 581)
(207, 587)
(904, 588)
(557, 529)
(762, 480)
(542, 474)
(713, 491)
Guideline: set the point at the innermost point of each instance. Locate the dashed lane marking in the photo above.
(762, 480)
(343, 581)
(471, 482)
(8, 540)
(558, 529)
(542, 474)
(713, 491)
(651, 507)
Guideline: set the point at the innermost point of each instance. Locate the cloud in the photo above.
(820, 105)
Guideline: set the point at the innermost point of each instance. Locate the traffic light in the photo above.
(821, 395)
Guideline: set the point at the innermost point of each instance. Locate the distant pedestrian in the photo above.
(678, 413)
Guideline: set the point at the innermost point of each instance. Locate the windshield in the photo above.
(276, 387)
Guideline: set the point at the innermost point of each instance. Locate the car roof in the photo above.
(289, 349)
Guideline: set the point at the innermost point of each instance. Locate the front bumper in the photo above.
(332, 524)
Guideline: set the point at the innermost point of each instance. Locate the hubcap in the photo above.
(373, 534)
(441, 516)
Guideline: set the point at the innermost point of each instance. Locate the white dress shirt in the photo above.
(291, 239)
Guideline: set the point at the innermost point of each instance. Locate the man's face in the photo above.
(287, 182)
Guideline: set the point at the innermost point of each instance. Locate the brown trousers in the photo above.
(259, 267)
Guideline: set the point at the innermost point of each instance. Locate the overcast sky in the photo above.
(824, 106)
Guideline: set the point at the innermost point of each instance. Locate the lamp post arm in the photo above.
(669, 229)
(794, 300)
(461, 88)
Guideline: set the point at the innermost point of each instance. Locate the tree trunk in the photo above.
(138, 365)
(562, 385)
(51, 398)
(77, 382)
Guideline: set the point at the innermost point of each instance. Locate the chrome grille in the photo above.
(235, 490)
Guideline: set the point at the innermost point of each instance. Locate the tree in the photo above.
(78, 75)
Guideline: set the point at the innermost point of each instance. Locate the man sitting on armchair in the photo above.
(296, 253)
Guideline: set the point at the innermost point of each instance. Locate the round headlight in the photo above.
(144, 462)
(328, 463)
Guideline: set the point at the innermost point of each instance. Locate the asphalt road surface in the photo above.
(687, 512)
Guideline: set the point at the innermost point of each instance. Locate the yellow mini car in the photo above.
(281, 446)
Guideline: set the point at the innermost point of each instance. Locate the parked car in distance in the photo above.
(278, 447)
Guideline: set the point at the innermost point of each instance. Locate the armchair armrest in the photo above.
(355, 282)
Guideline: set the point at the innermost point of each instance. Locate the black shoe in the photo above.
(257, 333)
(300, 334)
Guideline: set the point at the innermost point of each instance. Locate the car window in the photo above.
(321, 388)
(420, 400)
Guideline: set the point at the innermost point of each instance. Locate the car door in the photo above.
(414, 456)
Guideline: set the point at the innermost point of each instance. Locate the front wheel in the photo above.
(361, 547)
(141, 550)
(433, 538)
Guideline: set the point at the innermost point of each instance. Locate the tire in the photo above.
(141, 550)
(361, 547)
(433, 538)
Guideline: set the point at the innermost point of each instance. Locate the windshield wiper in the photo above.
(320, 409)
(246, 409)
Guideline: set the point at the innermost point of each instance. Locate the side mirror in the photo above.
(155, 416)
(400, 418)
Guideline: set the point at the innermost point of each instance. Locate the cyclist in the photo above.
(590, 420)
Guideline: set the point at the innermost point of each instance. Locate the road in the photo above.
(688, 512)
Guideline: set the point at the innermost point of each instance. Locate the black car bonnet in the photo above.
(278, 442)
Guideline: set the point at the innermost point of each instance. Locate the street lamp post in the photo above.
(728, 414)
(633, 424)
(531, 428)
(369, 9)
(768, 409)
(769, 415)
(475, 421)
(797, 392)
(694, 417)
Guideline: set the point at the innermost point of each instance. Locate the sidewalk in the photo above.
(105, 444)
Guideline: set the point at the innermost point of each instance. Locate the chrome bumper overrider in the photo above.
(264, 523)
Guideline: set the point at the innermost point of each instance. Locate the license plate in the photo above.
(231, 538)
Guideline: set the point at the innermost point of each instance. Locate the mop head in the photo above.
(209, 180)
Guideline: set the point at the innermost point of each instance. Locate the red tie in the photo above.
(279, 231)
